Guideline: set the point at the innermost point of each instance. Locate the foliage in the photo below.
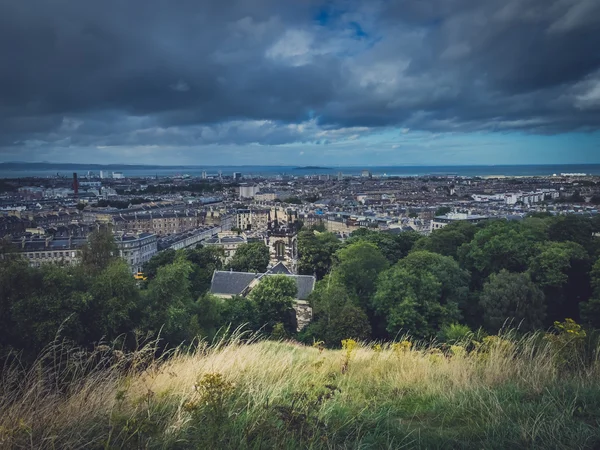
(250, 257)
(100, 250)
(455, 332)
(168, 301)
(512, 297)
(393, 247)
(511, 393)
(446, 241)
(315, 252)
(567, 342)
(421, 294)
(357, 267)
(274, 298)
(561, 269)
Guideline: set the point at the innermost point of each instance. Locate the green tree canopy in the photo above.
(421, 294)
(512, 299)
(158, 260)
(499, 245)
(357, 267)
(590, 310)
(561, 269)
(114, 302)
(446, 241)
(205, 260)
(393, 247)
(169, 301)
(315, 252)
(250, 257)
(571, 228)
(100, 250)
(274, 299)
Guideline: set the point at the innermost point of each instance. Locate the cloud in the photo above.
(196, 74)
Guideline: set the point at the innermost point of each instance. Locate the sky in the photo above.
(310, 82)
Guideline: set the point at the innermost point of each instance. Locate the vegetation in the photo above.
(496, 393)
(76, 374)
(250, 257)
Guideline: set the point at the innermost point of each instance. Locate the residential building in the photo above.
(136, 249)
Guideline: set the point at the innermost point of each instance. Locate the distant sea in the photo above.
(21, 170)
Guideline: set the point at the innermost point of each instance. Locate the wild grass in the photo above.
(248, 393)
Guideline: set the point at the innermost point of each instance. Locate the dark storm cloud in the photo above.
(189, 72)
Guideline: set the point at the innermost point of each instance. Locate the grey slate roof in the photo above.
(230, 283)
(305, 285)
(279, 269)
(234, 283)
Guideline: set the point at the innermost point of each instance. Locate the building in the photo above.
(161, 223)
(228, 241)
(46, 250)
(188, 238)
(247, 191)
(226, 284)
(237, 176)
(366, 174)
(259, 218)
(136, 249)
(282, 241)
(442, 221)
(118, 175)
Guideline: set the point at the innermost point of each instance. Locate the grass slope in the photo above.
(281, 395)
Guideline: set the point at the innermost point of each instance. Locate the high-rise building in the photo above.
(237, 175)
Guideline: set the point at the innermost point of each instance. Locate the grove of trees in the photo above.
(374, 285)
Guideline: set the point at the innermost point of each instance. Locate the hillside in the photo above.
(497, 393)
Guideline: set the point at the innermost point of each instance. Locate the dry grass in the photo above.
(286, 395)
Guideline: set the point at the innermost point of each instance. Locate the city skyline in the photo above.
(266, 82)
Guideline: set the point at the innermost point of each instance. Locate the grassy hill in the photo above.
(497, 393)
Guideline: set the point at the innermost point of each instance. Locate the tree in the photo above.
(499, 245)
(17, 282)
(159, 260)
(393, 247)
(274, 299)
(250, 257)
(561, 269)
(446, 241)
(53, 304)
(350, 322)
(239, 311)
(421, 294)
(315, 251)
(357, 267)
(100, 250)
(571, 228)
(114, 302)
(169, 302)
(205, 260)
(206, 317)
(590, 310)
(514, 299)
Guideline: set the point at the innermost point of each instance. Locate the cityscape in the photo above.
(48, 219)
(316, 224)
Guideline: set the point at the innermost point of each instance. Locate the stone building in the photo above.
(229, 241)
(226, 284)
(282, 240)
(136, 249)
(43, 250)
